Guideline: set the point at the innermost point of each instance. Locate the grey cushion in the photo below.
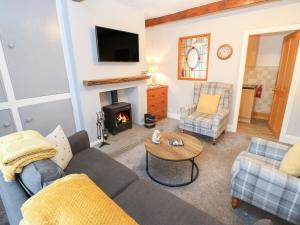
(111, 176)
(150, 205)
(79, 141)
(39, 174)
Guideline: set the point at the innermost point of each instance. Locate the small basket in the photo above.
(149, 120)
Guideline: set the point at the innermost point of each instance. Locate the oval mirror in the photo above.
(193, 58)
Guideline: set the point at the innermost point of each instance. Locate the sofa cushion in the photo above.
(201, 120)
(208, 103)
(39, 174)
(61, 143)
(111, 176)
(291, 161)
(149, 205)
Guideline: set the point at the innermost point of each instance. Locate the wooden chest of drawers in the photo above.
(157, 101)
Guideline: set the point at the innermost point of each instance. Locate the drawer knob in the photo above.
(28, 120)
(11, 45)
(6, 124)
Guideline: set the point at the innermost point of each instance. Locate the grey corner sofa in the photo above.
(146, 203)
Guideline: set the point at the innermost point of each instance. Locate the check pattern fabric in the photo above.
(211, 125)
(256, 179)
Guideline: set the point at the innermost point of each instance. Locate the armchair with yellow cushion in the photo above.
(266, 175)
(209, 113)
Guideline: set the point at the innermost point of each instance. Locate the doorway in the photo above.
(268, 74)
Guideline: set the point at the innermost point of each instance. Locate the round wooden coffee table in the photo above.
(191, 149)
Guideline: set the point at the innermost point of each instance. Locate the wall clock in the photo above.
(224, 51)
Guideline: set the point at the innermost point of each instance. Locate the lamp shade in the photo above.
(153, 68)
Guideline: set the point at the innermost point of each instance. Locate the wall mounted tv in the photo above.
(116, 45)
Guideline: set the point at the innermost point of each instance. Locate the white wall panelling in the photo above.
(32, 47)
(49, 57)
(11, 100)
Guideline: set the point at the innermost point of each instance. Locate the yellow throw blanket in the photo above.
(73, 200)
(19, 149)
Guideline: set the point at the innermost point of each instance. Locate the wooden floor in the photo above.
(257, 128)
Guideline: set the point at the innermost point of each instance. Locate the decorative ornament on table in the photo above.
(156, 137)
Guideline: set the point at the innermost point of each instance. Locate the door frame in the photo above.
(284, 137)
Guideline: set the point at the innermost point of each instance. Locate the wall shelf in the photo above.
(115, 80)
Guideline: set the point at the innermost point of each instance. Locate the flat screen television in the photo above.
(117, 46)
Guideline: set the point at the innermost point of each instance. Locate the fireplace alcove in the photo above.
(134, 92)
(118, 115)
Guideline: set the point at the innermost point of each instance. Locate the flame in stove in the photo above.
(122, 117)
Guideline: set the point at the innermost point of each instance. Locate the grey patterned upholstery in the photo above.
(256, 179)
(206, 124)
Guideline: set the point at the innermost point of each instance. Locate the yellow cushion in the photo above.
(76, 200)
(291, 161)
(208, 103)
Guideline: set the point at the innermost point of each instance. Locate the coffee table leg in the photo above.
(192, 175)
(147, 161)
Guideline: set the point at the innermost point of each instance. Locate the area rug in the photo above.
(210, 192)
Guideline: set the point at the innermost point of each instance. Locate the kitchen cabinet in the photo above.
(247, 104)
(252, 51)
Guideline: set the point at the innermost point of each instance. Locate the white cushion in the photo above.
(60, 140)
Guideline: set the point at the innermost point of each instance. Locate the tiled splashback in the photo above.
(265, 76)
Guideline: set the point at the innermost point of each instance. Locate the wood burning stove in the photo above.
(117, 115)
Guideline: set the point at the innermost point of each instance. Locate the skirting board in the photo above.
(261, 115)
(94, 143)
(289, 139)
(175, 116)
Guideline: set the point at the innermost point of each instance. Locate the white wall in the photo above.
(79, 21)
(270, 49)
(227, 27)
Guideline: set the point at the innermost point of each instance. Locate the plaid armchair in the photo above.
(256, 179)
(207, 124)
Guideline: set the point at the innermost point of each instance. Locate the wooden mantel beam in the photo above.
(115, 80)
(203, 10)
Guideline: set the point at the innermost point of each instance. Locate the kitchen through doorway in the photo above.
(268, 73)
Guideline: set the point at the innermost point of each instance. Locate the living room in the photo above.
(179, 83)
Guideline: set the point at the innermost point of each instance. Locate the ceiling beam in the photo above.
(203, 10)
